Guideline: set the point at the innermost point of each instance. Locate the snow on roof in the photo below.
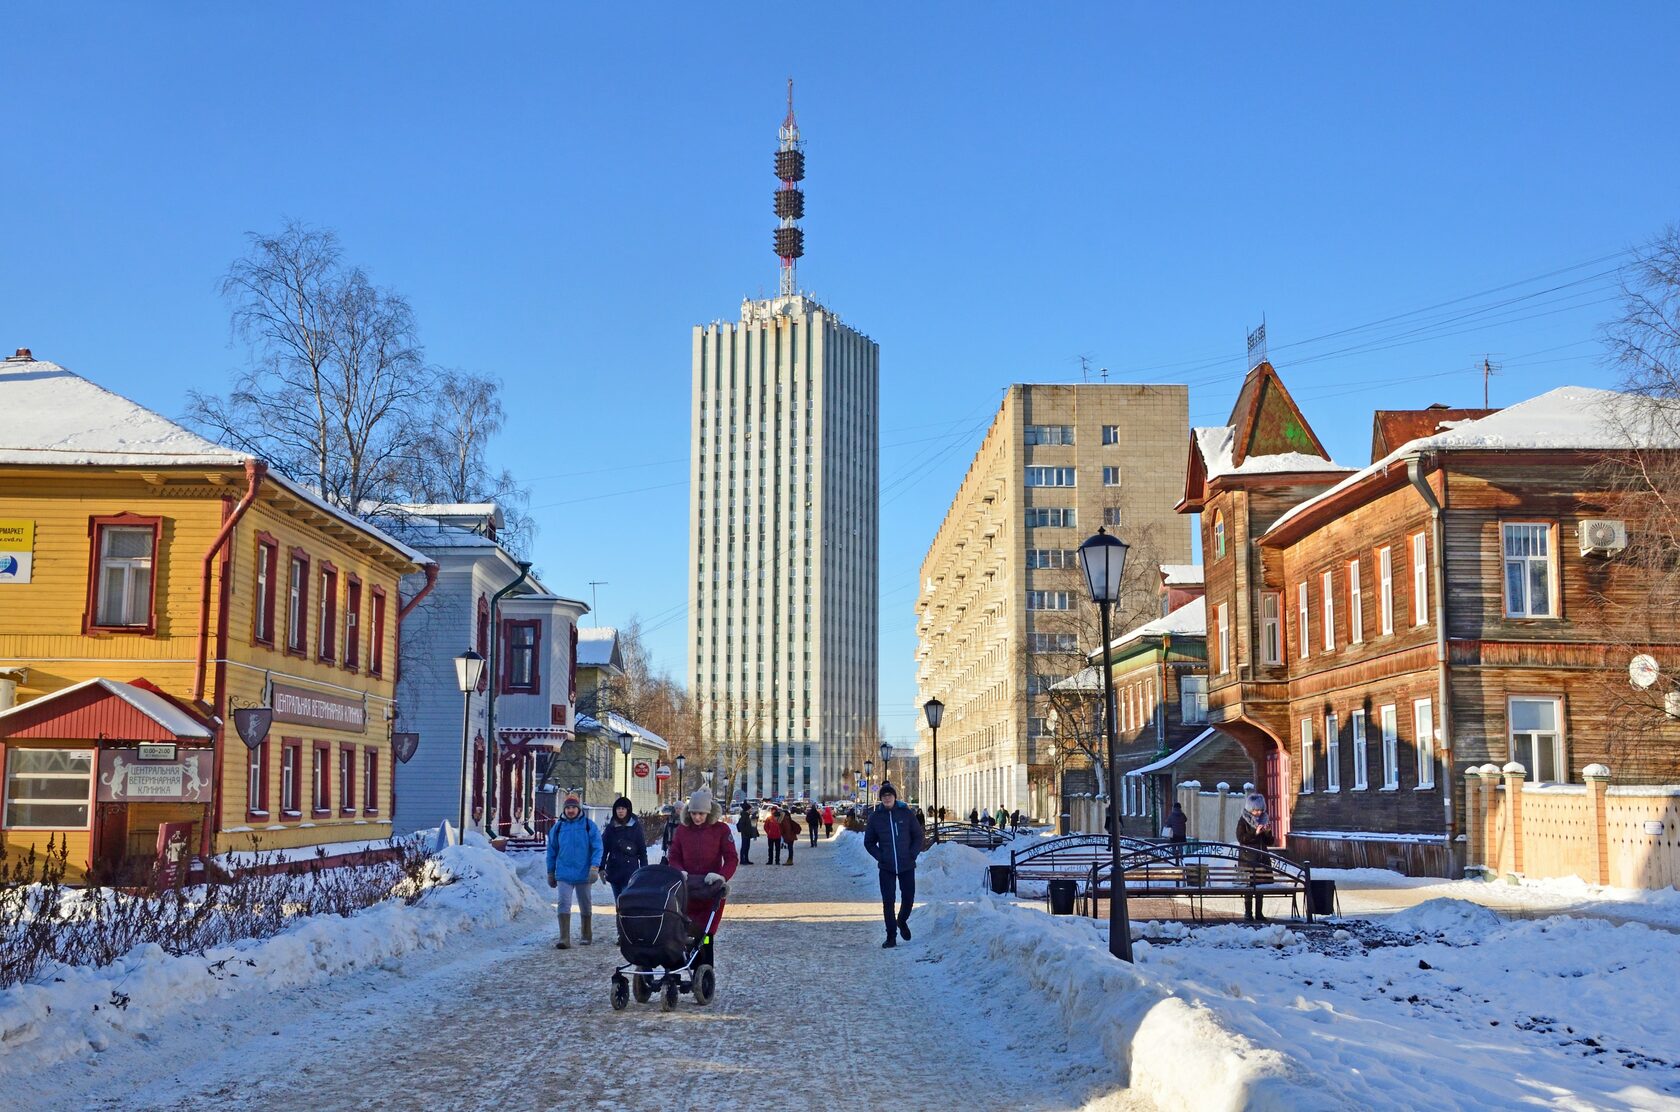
(1216, 446)
(1086, 679)
(1189, 620)
(481, 511)
(165, 712)
(618, 724)
(1569, 418)
(1182, 575)
(597, 646)
(1179, 754)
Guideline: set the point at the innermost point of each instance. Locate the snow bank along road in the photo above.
(810, 1011)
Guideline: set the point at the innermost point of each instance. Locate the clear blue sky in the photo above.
(993, 192)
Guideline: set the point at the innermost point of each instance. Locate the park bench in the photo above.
(972, 835)
(1199, 871)
(1070, 857)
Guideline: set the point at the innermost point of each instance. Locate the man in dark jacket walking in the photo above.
(813, 823)
(894, 838)
(748, 830)
(623, 846)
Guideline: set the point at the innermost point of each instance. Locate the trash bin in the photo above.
(999, 875)
(1062, 893)
(1321, 897)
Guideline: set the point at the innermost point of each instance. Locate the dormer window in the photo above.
(1219, 534)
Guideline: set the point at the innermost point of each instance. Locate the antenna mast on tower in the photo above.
(790, 199)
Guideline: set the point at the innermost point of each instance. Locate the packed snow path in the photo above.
(809, 1010)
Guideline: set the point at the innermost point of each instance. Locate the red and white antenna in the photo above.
(790, 199)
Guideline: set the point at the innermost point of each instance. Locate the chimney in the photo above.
(24, 355)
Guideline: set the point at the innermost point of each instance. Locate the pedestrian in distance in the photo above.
(666, 834)
(894, 839)
(1254, 834)
(574, 863)
(973, 817)
(828, 820)
(702, 847)
(790, 834)
(773, 832)
(813, 819)
(1015, 820)
(987, 820)
(1177, 824)
(623, 846)
(748, 829)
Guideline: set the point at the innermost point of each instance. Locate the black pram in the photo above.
(666, 920)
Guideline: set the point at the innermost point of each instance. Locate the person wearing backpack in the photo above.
(748, 830)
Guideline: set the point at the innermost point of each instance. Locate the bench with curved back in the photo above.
(1200, 871)
(973, 835)
(1069, 857)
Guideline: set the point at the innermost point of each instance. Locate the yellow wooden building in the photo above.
(153, 584)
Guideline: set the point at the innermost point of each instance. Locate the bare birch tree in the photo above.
(466, 415)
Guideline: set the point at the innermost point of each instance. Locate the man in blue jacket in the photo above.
(574, 863)
(894, 838)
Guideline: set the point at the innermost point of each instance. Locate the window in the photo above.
(323, 779)
(1038, 727)
(1307, 755)
(1111, 515)
(1528, 570)
(297, 603)
(1051, 516)
(50, 788)
(1049, 434)
(1111, 434)
(1390, 746)
(123, 576)
(353, 623)
(1537, 738)
(1192, 699)
(347, 779)
(262, 599)
(328, 633)
(1305, 626)
(1361, 760)
(256, 780)
(1052, 643)
(1356, 606)
(1050, 476)
(1328, 603)
(1271, 637)
(1218, 533)
(482, 644)
(291, 762)
(1111, 476)
(1048, 600)
(1224, 613)
(1420, 579)
(522, 638)
(1385, 585)
(1332, 753)
(1051, 558)
(1423, 726)
(376, 647)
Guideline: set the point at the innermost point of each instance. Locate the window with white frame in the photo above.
(1051, 517)
(1325, 589)
(1049, 434)
(1361, 759)
(1537, 738)
(124, 582)
(1390, 719)
(289, 755)
(1271, 635)
(1051, 558)
(1050, 476)
(1112, 515)
(1192, 699)
(1038, 727)
(1385, 588)
(1420, 579)
(1052, 643)
(256, 779)
(1307, 756)
(1305, 624)
(1111, 476)
(1528, 570)
(51, 788)
(1048, 600)
(1332, 753)
(1356, 605)
(1224, 613)
(1423, 726)
(1111, 434)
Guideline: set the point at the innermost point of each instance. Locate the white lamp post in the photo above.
(469, 666)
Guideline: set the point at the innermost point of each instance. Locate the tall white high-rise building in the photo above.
(784, 526)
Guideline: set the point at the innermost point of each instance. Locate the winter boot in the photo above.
(904, 926)
(586, 919)
(892, 940)
(565, 942)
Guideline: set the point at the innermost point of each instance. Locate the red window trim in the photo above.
(296, 745)
(301, 648)
(326, 639)
(347, 760)
(268, 548)
(260, 811)
(508, 626)
(376, 647)
(352, 607)
(481, 640)
(321, 773)
(90, 623)
(370, 780)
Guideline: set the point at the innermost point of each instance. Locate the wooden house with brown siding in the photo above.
(156, 583)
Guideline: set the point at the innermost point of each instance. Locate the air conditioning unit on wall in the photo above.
(1601, 536)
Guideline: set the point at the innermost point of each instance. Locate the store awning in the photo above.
(1183, 752)
(105, 710)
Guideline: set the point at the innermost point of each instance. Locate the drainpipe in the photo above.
(490, 703)
(1443, 712)
(255, 470)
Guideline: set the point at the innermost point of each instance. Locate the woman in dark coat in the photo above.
(790, 834)
(623, 846)
(748, 830)
(1254, 834)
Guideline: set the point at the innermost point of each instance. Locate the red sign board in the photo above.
(663, 772)
(641, 769)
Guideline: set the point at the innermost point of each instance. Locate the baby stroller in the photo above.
(666, 920)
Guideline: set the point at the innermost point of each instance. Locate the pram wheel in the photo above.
(642, 987)
(620, 993)
(672, 988)
(705, 984)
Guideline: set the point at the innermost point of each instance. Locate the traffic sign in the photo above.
(641, 769)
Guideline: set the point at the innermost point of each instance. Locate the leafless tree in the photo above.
(452, 465)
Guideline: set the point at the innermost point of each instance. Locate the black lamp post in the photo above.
(868, 775)
(681, 761)
(1103, 559)
(935, 711)
(886, 764)
(469, 666)
(625, 741)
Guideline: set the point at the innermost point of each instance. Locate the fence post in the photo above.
(1597, 777)
(1514, 776)
(1475, 825)
(1192, 800)
(1224, 791)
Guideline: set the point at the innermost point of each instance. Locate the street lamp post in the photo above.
(886, 765)
(625, 741)
(469, 666)
(1103, 559)
(935, 711)
(868, 776)
(681, 761)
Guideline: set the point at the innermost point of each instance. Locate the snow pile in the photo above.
(83, 1007)
(1456, 921)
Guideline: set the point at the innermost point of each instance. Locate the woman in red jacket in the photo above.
(773, 831)
(703, 847)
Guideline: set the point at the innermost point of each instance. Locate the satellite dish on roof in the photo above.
(1643, 671)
